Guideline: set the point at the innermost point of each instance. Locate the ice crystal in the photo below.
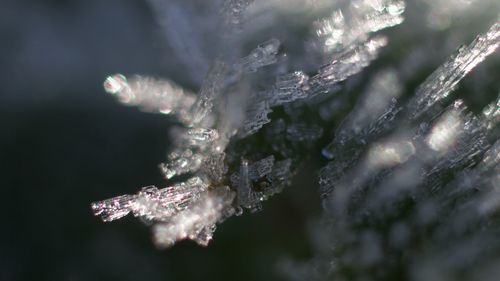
(372, 115)
(256, 118)
(181, 162)
(209, 92)
(215, 115)
(348, 64)
(151, 95)
(198, 222)
(409, 179)
(304, 132)
(289, 87)
(264, 54)
(234, 11)
(432, 173)
(444, 80)
(151, 203)
(357, 21)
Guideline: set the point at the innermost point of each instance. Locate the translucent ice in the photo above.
(492, 113)
(256, 118)
(244, 192)
(262, 170)
(151, 203)
(444, 80)
(373, 113)
(445, 131)
(289, 87)
(151, 95)
(350, 63)
(210, 90)
(181, 162)
(390, 153)
(198, 222)
(264, 54)
(354, 23)
(201, 136)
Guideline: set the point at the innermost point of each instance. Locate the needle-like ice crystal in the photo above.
(444, 80)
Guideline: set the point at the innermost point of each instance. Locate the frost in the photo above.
(210, 89)
(261, 168)
(357, 21)
(151, 95)
(444, 80)
(288, 88)
(377, 102)
(256, 118)
(432, 173)
(409, 179)
(372, 115)
(202, 136)
(151, 203)
(264, 54)
(348, 64)
(198, 222)
(181, 162)
(444, 132)
(257, 181)
(214, 167)
(390, 153)
(244, 191)
(492, 113)
(355, 54)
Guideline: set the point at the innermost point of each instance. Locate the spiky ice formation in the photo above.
(226, 176)
(444, 79)
(420, 200)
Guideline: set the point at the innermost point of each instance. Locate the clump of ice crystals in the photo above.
(387, 158)
(385, 152)
(413, 197)
(225, 178)
(445, 79)
(356, 21)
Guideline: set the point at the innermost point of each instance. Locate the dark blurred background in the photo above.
(65, 143)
